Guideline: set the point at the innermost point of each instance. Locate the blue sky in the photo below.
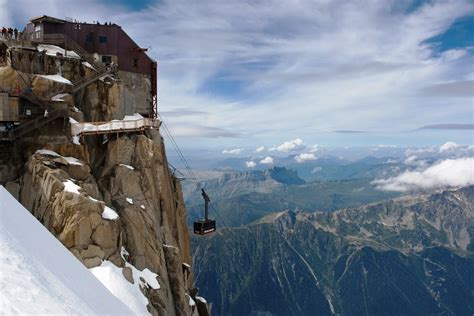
(246, 74)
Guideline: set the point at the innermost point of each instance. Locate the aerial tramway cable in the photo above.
(206, 225)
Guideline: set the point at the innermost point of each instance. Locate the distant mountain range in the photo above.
(408, 256)
(325, 168)
(243, 197)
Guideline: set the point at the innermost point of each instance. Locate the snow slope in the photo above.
(38, 275)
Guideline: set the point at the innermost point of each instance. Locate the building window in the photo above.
(37, 31)
(106, 59)
(90, 37)
(135, 62)
(102, 39)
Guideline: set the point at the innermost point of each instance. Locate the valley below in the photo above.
(409, 255)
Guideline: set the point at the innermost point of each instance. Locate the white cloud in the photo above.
(316, 169)
(448, 146)
(299, 78)
(305, 157)
(447, 150)
(260, 149)
(250, 164)
(447, 173)
(314, 148)
(235, 151)
(291, 145)
(411, 159)
(267, 161)
(414, 161)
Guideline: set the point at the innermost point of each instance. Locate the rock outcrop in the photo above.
(69, 196)
(110, 199)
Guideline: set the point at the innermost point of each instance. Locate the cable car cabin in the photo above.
(203, 227)
(206, 225)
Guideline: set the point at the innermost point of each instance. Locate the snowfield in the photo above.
(111, 276)
(38, 275)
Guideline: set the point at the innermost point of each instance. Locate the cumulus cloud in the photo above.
(291, 145)
(316, 169)
(454, 150)
(447, 150)
(410, 159)
(444, 174)
(414, 161)
(235, 151)
(260, 149)
(257, 58)
(314, 148)
(448, 146)
(305, 157)
(267, 161)
(250, 164)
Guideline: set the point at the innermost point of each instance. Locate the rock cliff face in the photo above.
(69, 196)
(111, 200)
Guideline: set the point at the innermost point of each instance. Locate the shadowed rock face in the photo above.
(408, 256)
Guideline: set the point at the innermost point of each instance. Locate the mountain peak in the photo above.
(285, 176)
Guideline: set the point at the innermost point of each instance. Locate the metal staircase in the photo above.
(41, 121)
(70, 44)
(36, 123)
(83, 82)
(35, 100)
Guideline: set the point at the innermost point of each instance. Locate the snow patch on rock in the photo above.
(53, 50)
(70, 186)
(109, 213)
(47, 152)
(56, 78)
(59, 97)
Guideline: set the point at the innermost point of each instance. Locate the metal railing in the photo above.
(52, 38)
(81, 83)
